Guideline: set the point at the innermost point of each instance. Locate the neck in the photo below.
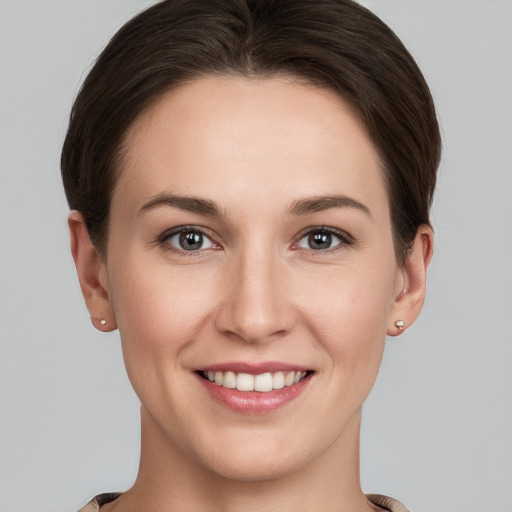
(170, 479)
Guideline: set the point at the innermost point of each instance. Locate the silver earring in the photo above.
(400, 324)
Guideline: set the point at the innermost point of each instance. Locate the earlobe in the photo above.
(409, 302)
(92, 275)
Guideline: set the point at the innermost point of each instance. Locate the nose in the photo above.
(256, 306)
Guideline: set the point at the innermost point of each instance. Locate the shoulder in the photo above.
(377, 499)
(95, 504)
(387, 503)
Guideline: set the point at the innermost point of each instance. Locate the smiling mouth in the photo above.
(262, 383)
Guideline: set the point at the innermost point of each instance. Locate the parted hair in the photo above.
(334, 44)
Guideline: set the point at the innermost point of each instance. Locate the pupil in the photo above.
(320, 240)
(191, 240)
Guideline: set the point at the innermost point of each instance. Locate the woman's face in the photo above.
(250, 234)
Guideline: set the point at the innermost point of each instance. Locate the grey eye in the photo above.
(319, 240)
(190, 240)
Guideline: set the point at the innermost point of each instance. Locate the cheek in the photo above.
(348, 313)
(160, 315)
(159, 310)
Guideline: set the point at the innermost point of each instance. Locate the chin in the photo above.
(254, 469)
(260, 455)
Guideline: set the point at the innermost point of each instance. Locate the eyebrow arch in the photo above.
(321, 203)
(190, 204)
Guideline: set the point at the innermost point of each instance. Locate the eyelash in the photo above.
(345, 240)
(163, 240)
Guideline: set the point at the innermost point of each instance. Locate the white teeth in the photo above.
(278, 380)
(229, 380)
(244, 382)
(262, 383)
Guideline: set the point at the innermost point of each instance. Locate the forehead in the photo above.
(239, 137)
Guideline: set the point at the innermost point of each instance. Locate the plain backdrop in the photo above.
(437, 430)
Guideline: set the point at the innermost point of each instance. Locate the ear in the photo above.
(411, 296)
(92, 274)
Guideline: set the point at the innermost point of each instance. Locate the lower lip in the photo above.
(254, 402)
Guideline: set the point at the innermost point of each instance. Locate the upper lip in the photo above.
(254, 368)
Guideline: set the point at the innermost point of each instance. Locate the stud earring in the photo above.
(103, 321)
(400, 324)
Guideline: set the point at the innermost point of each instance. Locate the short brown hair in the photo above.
(335, 44)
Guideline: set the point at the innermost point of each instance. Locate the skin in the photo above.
(257, 292)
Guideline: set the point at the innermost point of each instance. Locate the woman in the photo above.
(250, 184)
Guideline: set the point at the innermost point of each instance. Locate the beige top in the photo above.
(377, 499)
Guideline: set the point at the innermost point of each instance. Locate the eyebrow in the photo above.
(300, 207)
(321, 203)
(190, 204)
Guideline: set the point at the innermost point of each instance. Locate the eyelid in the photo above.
(207, 233)
(345, 238)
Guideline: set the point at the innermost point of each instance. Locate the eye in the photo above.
(188, 239)
(322, 239)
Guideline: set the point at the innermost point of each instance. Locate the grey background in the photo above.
(437, 427)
